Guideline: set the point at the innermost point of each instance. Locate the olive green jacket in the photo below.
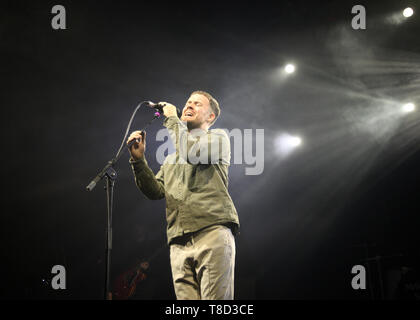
(193, 179)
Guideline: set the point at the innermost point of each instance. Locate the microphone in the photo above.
(159, 108)
(159, 111)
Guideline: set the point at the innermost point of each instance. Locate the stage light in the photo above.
(408, 107)
(408, 12)
(285, 143)
(289, 68)
(295, 141)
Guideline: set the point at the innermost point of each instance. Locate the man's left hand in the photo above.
(169, 110)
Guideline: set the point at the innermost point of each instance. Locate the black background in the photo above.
(67, 96)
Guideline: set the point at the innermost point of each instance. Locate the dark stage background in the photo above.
(348, 193)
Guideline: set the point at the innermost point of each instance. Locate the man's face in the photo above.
(197, 111)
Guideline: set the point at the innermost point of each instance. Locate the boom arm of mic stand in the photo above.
(100, 175)
(103, 172)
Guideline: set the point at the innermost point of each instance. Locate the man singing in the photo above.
(201, 217)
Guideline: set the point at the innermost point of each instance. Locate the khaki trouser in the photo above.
(203, 264)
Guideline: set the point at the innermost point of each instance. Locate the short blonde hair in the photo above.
(214, 105)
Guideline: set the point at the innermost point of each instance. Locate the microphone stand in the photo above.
(111, 175)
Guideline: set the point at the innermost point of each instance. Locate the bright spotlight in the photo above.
(295, 141)
(285, 143)
(408, 12)
(290, 68)
(409, 107)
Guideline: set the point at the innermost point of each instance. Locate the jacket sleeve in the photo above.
(199, 146)
(152, 186)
